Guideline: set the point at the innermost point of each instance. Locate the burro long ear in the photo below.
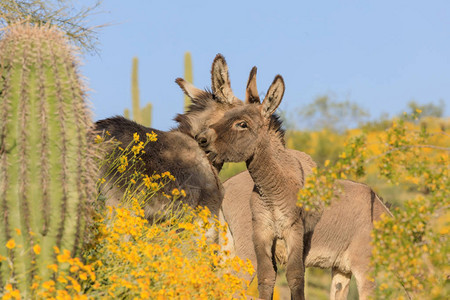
(251, 93)
(273, 97)
(189, 89)
(221, 86)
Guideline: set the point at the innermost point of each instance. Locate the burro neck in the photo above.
(277, 174)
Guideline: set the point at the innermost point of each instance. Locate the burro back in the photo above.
(176, 151)
(338, 239)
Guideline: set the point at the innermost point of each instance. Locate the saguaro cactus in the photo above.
(47, 174)
(188, 76)
(142, 116)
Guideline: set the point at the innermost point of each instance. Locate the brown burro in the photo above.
(176, 150)
(339, 238)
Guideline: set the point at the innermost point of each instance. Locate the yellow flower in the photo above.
(48, 284)
(15, 294)
(73, 269)
(75, 285)
(83, 276)
(98, 139)
(18, 231)
(136, 149)
(123, 164)
(34, 286)
(147, 181)
(61, 279)
(53, 267)
(151, 137)
(136, 137)
(175, 192)
(187, 226)
(154, 186)
(62, 258)
(11, 244)
(37, 249)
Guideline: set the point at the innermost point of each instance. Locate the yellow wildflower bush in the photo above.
(162, 260)
(411, 248)
(130, 258)
(135, 259)
(70, 275)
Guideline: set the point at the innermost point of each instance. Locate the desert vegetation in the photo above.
(59, 240)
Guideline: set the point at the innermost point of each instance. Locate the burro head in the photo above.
(207, 107)
(245, 129)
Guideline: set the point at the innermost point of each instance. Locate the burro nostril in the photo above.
(202, 140)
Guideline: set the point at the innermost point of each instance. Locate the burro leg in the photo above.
(340, 284)
(266, 269)
(364, 283)
(295, 268)
(360, 255)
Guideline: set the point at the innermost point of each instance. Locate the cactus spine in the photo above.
(47, 173)
(142, 116)
(188, 76)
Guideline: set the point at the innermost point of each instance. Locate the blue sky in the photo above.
(379, 54)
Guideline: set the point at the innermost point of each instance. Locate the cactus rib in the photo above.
(47, 171)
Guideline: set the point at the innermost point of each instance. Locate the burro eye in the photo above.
(242, 124)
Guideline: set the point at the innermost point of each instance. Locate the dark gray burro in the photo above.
(176, 150)
(339, 239)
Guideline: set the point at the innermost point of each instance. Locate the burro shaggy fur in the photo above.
(176, 150)
(338, 239)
